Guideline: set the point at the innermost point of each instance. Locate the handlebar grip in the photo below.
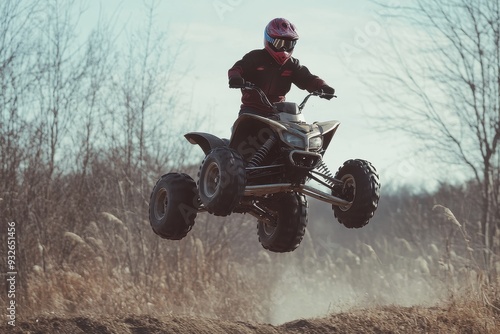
(320, 93)
(246, 85)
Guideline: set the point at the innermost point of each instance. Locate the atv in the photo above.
(266, 169)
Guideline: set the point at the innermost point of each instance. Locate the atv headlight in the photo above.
(315, 143)
(294, 140)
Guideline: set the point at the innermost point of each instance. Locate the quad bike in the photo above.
(265, 169)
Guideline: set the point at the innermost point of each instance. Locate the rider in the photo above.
(273, 69)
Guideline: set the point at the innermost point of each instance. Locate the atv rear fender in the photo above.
(206, 141)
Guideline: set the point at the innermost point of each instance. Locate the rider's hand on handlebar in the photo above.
(328, 92)
(236, 82)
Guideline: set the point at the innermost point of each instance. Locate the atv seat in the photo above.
(288, 107)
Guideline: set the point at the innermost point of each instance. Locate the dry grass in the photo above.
(213, 274)
(114, 266)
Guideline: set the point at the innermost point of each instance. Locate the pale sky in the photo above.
(333, 35)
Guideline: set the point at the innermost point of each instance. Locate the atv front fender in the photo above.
(328, 129)
(206, 141)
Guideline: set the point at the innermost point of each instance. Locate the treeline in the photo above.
(96, 253)
(438, 226)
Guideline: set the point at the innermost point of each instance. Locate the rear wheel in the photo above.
(173, 206)
(286, 231)
(222, 179)
(361, 187)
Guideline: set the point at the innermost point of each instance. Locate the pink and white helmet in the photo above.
(280, 37)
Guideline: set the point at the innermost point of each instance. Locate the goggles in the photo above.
(283, 44)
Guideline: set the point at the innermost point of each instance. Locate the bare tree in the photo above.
(141, 107)
(15, 84)
(15, 65)
(443, 77)
(97, 58)
(86, 127)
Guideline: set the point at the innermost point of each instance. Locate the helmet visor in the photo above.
(283, 44)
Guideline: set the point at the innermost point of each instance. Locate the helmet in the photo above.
(280, 38)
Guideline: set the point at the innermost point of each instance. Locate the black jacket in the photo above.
(275, 80)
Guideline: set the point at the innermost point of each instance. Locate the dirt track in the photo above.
(391, 319)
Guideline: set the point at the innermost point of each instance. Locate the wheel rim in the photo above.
(348, 191)
(160, 207)
(268, 228)
(212, 179)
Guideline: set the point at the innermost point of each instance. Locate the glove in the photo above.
(327, 90)
(236, 82)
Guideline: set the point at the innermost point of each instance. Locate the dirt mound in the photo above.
(390, 319)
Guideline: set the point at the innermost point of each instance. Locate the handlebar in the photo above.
(265, 99)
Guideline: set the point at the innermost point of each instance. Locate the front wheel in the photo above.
(361, 187)
(173, 206)
(286, 231)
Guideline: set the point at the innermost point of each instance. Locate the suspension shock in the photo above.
(262, 152)
(323, 169)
